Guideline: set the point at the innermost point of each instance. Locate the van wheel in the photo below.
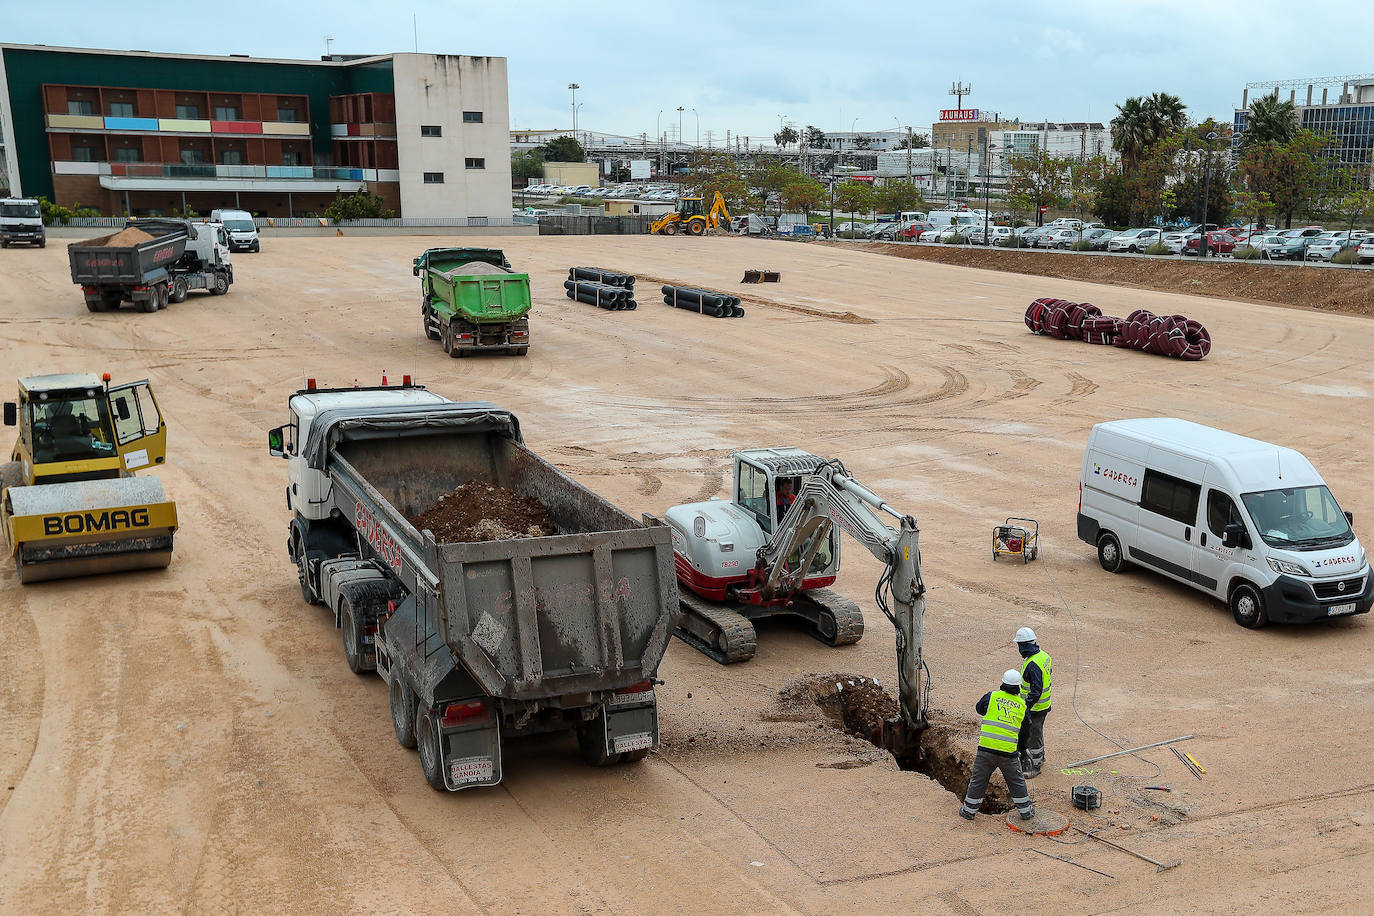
(427, 739)
(402, 711)
(1109, 553)
(1247, 606)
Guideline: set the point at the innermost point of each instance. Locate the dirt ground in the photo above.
(479, 511)
(1324, 288)
(190, 739)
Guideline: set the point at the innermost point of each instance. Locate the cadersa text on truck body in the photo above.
(376, 535)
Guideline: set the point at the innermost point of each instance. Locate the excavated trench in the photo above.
(859, 706)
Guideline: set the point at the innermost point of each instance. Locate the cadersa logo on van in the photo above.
(1127, 479)
(1333, 561)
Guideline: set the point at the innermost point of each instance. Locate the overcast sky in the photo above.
(742, 65)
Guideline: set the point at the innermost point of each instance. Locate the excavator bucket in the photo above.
(752, 276)
(84, 528)
(772, 276)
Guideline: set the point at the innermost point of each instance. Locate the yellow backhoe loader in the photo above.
(69, 500)
(689, 217)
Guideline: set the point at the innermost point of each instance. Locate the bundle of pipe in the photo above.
(1175, 335)
(596, 274)
(611, 298)
(704, 301)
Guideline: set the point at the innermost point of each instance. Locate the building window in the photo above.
(80, 107)
(188, 112)
(121, 109)
(128, 154)
(192, 156)
(434, 177)
(290, 157)
(83, 154)
(475, 163)
(431, 130)
(231, 157)
(472, 117)
(226, 113)
(288, 114)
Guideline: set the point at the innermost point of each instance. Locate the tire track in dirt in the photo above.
(1014, 600)
(1022, 385)
(21, 700)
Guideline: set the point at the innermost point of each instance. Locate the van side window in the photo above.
(1221, 511)
(1170, 497)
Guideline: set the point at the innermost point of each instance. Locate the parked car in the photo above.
(1098, 238)
(883, 232)
(913, 231)
(1175, 241)
(1365, 253)
(1134, 240)
(1031, 237)
(1058, 238)
(951, 235)
(1291, 245)
(994, 235)
(1218, 243)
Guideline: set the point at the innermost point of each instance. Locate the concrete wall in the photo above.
(572, 174)
(435, 89)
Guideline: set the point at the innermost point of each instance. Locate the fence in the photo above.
(310, 222)
(594, 225)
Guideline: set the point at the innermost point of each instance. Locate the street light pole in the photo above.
(1206, 188)
(574, 87)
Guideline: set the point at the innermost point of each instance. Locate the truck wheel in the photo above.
(164, 295)
(148, 305)
(221, 284)
(1247, 606)
(179, 289)
(402, 711)
(428, 318)
(96, 304)
(352, 639)
(593, 748)
(112, 301)
(427, 739)
(1109, 553)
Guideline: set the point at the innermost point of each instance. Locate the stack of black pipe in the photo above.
(611, 298)
(596, 274)
(704, 301)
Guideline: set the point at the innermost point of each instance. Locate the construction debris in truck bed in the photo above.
(479, 511)
(126, 238)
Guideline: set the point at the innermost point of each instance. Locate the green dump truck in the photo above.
(472, 301)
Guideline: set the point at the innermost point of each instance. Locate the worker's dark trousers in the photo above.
(983, 765)
(1033, 740)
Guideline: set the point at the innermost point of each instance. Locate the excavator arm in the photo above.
(831, 498)
(719, 214)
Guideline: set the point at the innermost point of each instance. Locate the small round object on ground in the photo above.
(1045, 823)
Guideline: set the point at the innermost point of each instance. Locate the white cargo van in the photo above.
(1246, 521)
(243, 232)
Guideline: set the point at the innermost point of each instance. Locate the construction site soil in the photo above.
(191, 739)
(479, 511)
(1328, 289)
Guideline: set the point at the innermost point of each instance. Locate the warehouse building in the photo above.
(156, 134)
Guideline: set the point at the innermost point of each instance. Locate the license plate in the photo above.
(632, 699)
(634, 742)
(1338, 609)
(470, 769)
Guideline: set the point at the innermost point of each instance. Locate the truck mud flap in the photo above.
(471, 754)
(630, 723)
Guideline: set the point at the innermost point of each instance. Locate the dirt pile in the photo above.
(1329, 289)
(479, 511)
(126, 238)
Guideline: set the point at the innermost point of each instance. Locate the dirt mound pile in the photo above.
(126, 238)
(479, 511)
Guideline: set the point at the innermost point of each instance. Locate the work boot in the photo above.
(1027, 815)
(1030, 771)
(963, 812)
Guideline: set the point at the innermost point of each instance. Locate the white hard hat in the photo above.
(1011, 677)
(1025, 634)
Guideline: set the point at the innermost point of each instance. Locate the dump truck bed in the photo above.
(95, 262)
(586, 609)
(474, 284)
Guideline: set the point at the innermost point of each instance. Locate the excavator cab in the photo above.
(689, 207)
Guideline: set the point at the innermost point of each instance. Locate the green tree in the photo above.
(1140, 123)
(718, 171)
(564, 149)
(1358, 205)
(1291, 174)
(1167, 114)
(527, 165)
(855, 197)
(915, 141)
(896, 196)
(803, 194)
(1114, 200)
(815, 137)
(1037, 180)
(1269, 121)
(1256, 205)
(786, 137)
(358, 205)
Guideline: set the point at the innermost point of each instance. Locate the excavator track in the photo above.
(715, 630)
(835, 620)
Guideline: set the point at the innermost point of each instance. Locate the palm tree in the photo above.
(1270, 120)
(1131, 131)
(1167, 114)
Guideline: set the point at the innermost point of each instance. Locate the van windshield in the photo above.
(1302, 518)
(20, 211)
(239, 225)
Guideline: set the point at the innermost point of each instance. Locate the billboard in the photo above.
(959, 114)
(639, 169)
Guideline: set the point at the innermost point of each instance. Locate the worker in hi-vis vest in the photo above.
(1036, 668)
(1004, 716)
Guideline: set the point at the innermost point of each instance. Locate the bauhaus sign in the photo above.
(959, 114)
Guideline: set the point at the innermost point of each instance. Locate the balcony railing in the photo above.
(179, 170)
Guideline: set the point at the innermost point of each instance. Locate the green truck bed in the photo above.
(470, 300)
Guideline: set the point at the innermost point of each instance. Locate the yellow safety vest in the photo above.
(1044, 663)
(1002, 724)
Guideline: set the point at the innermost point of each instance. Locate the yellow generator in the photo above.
(69, 500)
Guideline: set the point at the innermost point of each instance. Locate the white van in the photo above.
(1246, 521)
(243, 232)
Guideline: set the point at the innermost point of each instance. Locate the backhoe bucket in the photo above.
(772, 276)
(89, 527)
(752, 276)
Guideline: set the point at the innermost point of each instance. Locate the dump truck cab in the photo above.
(69, 501)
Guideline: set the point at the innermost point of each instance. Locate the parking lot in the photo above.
(191, 739)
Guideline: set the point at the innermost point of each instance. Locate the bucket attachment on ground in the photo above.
(761, 276)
